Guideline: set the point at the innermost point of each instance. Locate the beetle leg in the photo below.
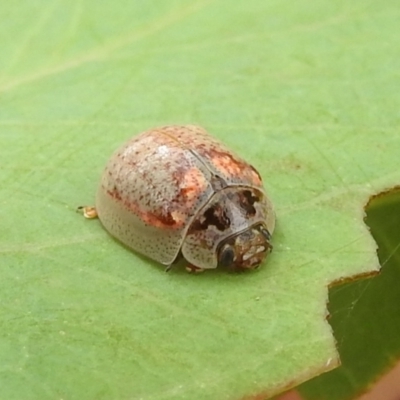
(168, 268)
(193, 269)
(177, 259)
(88, 211)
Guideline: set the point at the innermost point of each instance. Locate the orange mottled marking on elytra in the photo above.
(226, 165)
(193, 184)
(255, 178)
(179, 217)
(160, 221)
(230, 167)
(164, 219)
(174, 214)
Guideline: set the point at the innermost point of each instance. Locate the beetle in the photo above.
(176, 191)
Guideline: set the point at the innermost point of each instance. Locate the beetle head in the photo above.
(246, 250)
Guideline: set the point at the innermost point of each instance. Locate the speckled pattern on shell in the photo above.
(155, 188)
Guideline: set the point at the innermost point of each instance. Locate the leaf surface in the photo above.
(303, 90)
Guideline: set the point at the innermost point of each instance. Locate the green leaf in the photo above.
(365, 314)
(303, 90)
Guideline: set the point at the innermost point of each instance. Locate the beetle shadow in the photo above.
(177, 268)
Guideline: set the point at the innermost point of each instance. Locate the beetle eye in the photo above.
(265, 232)
(226, 256)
